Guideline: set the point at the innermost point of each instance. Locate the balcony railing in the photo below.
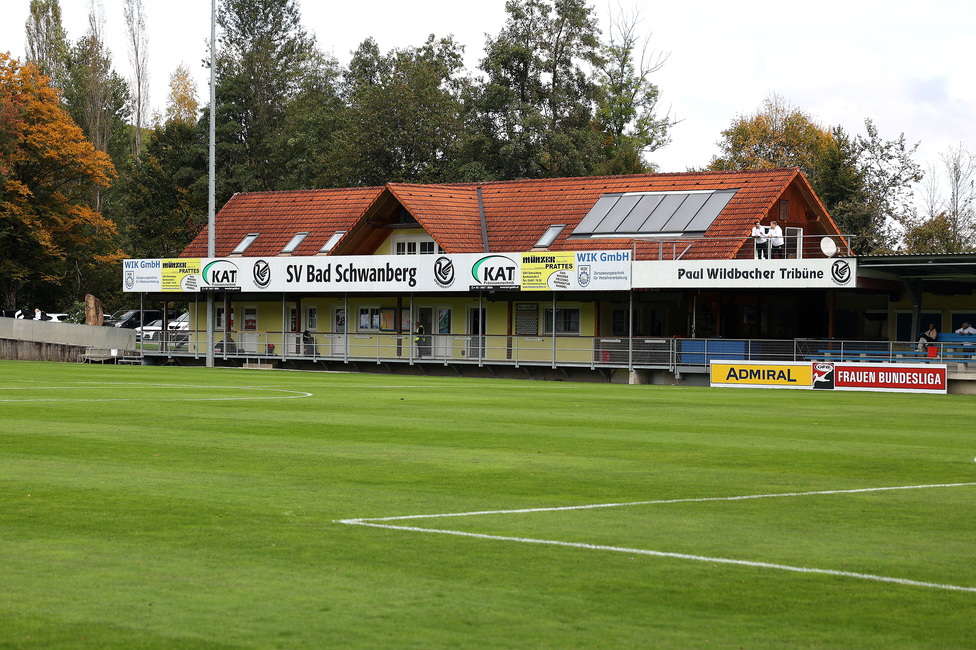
(613, 352)
(796, 245)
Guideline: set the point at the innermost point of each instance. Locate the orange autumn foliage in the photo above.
(48, 171)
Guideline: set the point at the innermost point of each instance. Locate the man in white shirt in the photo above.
(759, 234)
(966, 329)
(776, 239)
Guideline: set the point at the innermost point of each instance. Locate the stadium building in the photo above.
(628, 278)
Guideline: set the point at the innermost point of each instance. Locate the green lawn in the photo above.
(202, 508)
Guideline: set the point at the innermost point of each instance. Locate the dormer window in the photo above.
(245, 243)
(550, 236)
(333, 240)
(416, 245)
(294, 243)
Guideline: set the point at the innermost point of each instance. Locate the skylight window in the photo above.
(333, 240)
(550, 236)
(245, 243)
(294, 243)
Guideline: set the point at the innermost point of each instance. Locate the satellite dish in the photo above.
(828, 247)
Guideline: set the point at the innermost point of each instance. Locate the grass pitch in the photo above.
(195, 508)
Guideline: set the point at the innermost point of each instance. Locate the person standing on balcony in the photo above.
(762, 245)
(776, 239)
(966, 329)
(419, 340)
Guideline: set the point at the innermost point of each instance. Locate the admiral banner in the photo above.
(822, 375)
(824, 273)
(572, 271)
(761, 374)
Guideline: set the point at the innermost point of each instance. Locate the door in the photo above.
(476, 332)
(338, 336)
(424, 333)
(442, 340)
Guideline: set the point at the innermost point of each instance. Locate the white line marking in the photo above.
(371, 522)
(155, 398)
(677, 556)
(658, 502)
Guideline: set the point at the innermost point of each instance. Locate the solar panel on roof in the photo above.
(685, 213)
(621, 208)
(650, 213)
(596, 214)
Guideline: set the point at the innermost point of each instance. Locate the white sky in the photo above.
(906, 65)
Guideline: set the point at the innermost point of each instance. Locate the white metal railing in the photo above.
(684, 354)
(796, 245)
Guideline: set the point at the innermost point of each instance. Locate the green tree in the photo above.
(47, 42)
(889, 172)
(628, 102)
(164, 194)
(96, 96)
(536, 108)
(313, 148)
(51, 240)
(264, 54)
(404, 112)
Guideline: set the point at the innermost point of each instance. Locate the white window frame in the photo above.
(411, 245)
(244, 322)
(373, 317)
(547, 319)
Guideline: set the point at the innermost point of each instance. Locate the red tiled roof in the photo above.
(278, 216)
(517, 212)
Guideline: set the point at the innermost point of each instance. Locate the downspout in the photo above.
(484, 224)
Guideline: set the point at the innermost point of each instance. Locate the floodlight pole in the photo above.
(211, 216)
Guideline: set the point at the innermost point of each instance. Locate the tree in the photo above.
(47, 42)
(96, 97)
(778, 135)
(536, 109)
(138, 41)
(627, 108)
(182, 104)
(948, 223)
(404, 112)
(264, 53)
(314, 149)
(48, 231)
(162, 196)
(889, 172)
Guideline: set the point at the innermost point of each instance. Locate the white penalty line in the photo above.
(373, 522)
(593, 506)
(677, 556)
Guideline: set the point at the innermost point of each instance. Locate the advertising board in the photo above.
(822, 375)
(822, 273)
(563, 271)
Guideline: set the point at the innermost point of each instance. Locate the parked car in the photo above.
(181, 324)
(135, 318)
(150, 331)
(57, 318)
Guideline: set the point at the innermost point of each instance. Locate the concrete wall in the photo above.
(67, 333)
(39, 351)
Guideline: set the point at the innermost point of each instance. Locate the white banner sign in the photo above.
(572, 271)
(746, 274)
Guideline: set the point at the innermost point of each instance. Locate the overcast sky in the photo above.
(906, 65)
